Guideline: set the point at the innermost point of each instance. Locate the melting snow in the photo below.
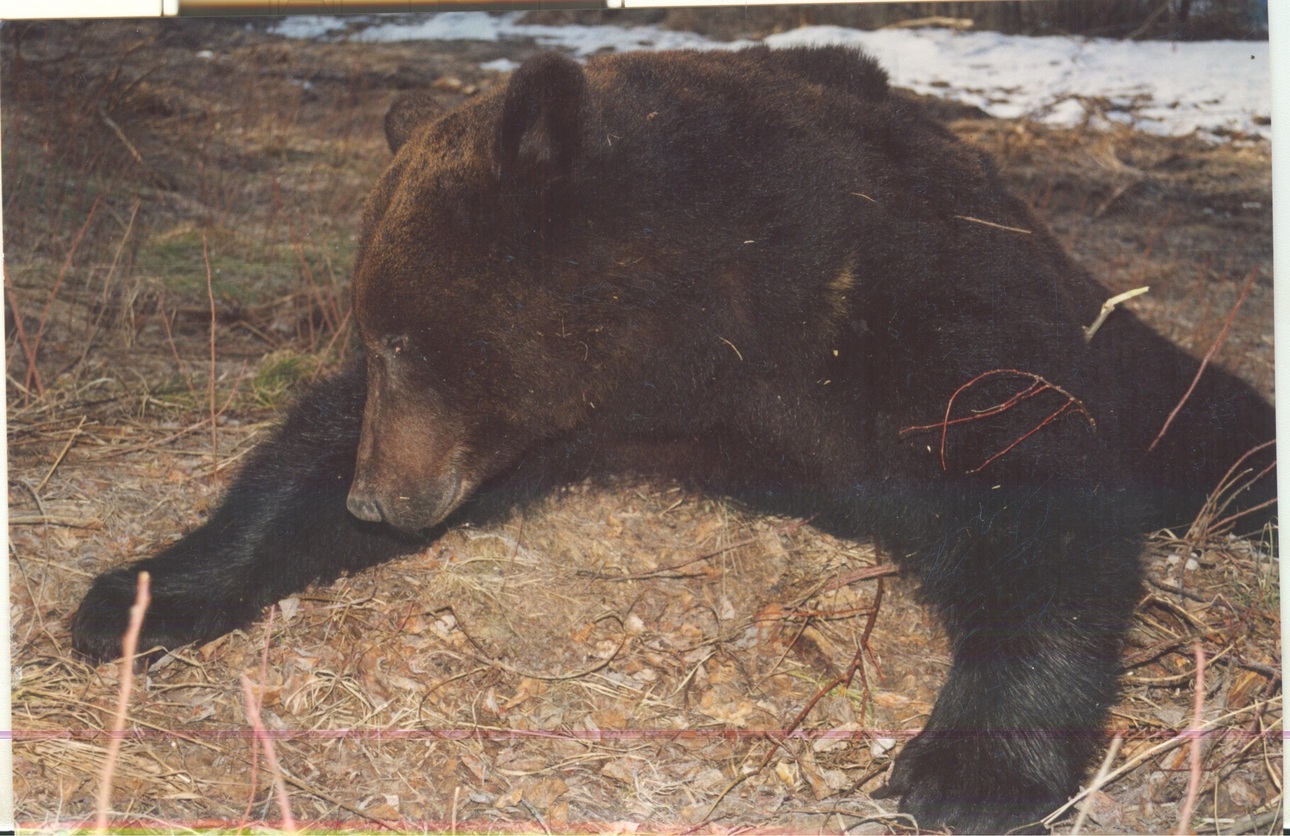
(1212, 88)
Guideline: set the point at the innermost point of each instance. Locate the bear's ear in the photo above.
(406, 115)
(541, 125)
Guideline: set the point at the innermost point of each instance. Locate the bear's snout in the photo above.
(410, 509)
(364, 506)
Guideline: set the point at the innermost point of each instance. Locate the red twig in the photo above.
(1213, 348)
(128, 646)
(262, 735)
(174, 350)
(1228, 489)
(255, 749)
(1037, 386)
(865, 574)
(33, 375)
(1024, 395)
(844, 679)
(1227, 477)
(1048, 420)
(1267, 503)
(1193, 781)
(27, 351)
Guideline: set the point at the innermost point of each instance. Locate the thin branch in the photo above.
(262, 735)
(174, 350)
(33, 376)
(1050, 418)
(1193, 780)
(844, 679)
(1038, 386)
(62, 454)
(27, 350)
(1218, 341)
(1098, 781)
(1145, 755)
(120, 134)
(255, 750)
(674, 570)
(128, 646)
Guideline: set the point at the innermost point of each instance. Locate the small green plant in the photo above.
(279, 375)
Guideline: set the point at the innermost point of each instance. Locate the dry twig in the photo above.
(1108, 306)
(844, 679)
(1213, 348)
(1193, 780)
(262, 735)
(128, 645)
(1097, 783)
(210, 295)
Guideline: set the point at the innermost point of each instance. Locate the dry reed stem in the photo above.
(21, 333)
(61, 455)
(993, 225)
(92, 331)
(1193, 779)
(128, 647)
(174, 350)
(1098, 781)
(120, 134)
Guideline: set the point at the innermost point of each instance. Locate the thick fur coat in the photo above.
(767, 276)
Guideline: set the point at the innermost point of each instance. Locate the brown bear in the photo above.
(766, 275)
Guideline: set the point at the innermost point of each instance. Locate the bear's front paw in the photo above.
(172, 619)
(968, 784)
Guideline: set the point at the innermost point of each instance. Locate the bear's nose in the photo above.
(366, 508)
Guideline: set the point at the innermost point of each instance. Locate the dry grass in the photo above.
(613, 660)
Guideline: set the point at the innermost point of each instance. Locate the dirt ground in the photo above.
(180, 204)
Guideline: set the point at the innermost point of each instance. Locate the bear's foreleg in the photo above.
(282, 525)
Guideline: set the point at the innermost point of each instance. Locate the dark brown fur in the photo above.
(750, 272)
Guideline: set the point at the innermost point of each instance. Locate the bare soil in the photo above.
(180, 206)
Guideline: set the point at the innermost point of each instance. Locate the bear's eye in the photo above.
(396, 344)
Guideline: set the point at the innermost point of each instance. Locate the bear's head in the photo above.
(461, 241)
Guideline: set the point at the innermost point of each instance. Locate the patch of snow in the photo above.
(501, 65)
(1211, 88)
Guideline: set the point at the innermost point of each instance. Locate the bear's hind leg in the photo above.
(1036, 593)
